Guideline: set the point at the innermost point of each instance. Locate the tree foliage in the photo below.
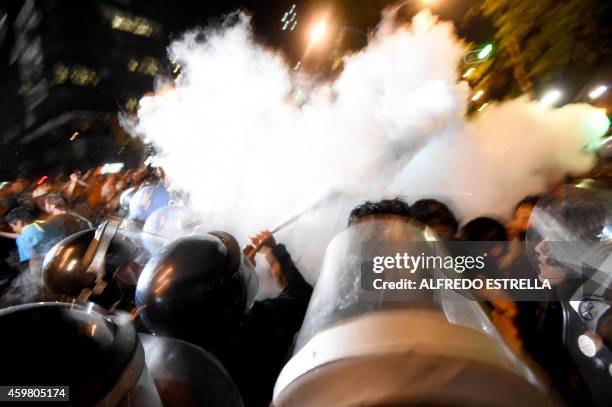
(546, 40)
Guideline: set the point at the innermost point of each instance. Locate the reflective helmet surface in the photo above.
(185, 375)
(125, 197)
(147, 200)
(98, 356)
(192, 288)
(67, 269)
(169, 222)
(569, 242)
(569, 239)
(360, 347)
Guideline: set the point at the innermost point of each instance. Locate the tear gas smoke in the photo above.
(393, 122)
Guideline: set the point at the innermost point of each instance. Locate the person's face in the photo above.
(49, 207)
(521, 217)
(550, 269)
(16, 226)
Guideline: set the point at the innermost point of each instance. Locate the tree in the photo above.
(540, 42)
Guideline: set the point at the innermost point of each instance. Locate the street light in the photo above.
(318, 31)
(469, 72)
(597, 92)
(551, 97)
(479, 55)
(485, 52)
(477, 95)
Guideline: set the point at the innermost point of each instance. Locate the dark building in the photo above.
(71, 67)
(68, 67)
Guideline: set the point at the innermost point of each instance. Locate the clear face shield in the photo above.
(569, 243)
(248, 276)
(172, 222)
(359, 346)
(250, 280)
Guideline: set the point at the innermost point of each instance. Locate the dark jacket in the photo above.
(264, 340)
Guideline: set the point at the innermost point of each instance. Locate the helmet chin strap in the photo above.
(95, 257)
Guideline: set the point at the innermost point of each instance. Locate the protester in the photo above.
(28, 232)
(395, 206)
(517, 227)
(437, 216)
(62, 221)
(206, 301)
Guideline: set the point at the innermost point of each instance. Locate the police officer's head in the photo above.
(195, 288)
(147, 200)
(89, 261)
(56, 344)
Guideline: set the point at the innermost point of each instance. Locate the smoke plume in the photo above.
(233, 133)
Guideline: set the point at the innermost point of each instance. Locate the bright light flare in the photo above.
(485, 51)
(551, 97)
(597, 92)
(477, 95)
(469, 72)
(318, 31)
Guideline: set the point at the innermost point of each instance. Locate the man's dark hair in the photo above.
(19, 214)
(395, 206)
(56, 200)
(528, 200)
(483, 229)
(584, 219)
(432, 213)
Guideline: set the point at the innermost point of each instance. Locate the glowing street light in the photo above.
(483, 107)
(597, 92)
(318, 31)
(316, 34)
(485, 52)
(551, 97)
(469, 72)
(478, 55)
(477, 95)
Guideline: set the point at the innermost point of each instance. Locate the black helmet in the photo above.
(195, 287)
(90, 262)
(185, 375)
(98, 356)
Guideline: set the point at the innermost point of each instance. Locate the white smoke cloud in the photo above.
(393, 122)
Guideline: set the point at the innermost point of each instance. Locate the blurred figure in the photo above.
(28, 232)
(107, 191)
(75, 188)
(368, 209)
(101, 266)
(147, 200)
(125, 369)
(517, 227)
(437, 216)
(569, 245)
(374, 348)
(114, 201)
(201, 289)
(483, 229)
(61, 219)
(493, 236)
(502, 311)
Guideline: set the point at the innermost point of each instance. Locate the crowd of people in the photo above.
(36, 215)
